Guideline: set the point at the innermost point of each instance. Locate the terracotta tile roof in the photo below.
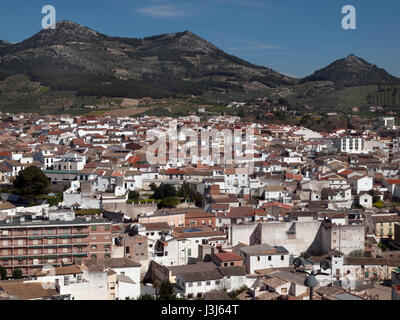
(228, 256)
(27, 291)
(60, 271)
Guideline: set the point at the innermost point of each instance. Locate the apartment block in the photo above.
(30, 242)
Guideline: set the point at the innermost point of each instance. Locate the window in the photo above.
(258, 258)
(284, 290)
(217, 282)
(208, 283)
(199, 283)
(282, 258)
(190, 284)
(269, 258)
(94, 228)
(107, 227)
(166, 253)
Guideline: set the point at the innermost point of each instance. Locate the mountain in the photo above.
(74, 57)
(353, 72)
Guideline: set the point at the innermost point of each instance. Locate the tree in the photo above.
(17, 274)
(169, 202)
(153, 186)
(184, 191)
(166, 291)
(31, 182)
(187, 193)
(164, 191)
(3, 273)
(133, 195)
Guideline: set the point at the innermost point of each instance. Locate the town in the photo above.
(293, 214)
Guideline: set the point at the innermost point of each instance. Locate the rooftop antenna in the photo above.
(311, 281)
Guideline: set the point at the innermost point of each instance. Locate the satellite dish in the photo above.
(311, 282)
(298, 263)
(325, 265)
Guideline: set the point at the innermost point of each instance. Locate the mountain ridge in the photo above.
(76, 61)
(353, 71)
(179, 63)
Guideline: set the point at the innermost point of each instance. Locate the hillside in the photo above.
(4, 44)
(74, 66)
(353, 72)
(74, 57)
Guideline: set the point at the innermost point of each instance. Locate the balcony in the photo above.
(35, 237)
(80, 254)
(80, 235)
(64, 236)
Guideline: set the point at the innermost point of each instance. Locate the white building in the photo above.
(264, 256)
(196, 283)
(353, 145)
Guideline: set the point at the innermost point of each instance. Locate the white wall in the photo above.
(263, 262)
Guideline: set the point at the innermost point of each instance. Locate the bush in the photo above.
(166, 291)
(87, 211)
(379, 204)
(383, 247)
(17, 274)
(133, 195)
(170, 202)
(357, 253)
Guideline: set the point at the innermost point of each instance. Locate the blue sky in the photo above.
(290, 36)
